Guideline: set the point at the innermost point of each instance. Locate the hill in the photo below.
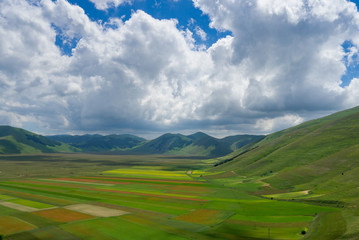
(99, 143)
(17, 140)
(198, 144)
(318, 154)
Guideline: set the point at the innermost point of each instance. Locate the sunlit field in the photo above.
(138, 197)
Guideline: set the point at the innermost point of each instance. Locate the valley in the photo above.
(299, 183)
(153, 199)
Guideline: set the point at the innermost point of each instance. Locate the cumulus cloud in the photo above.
(291, 50)
(105, 4)
(267, 124)
(283, 62)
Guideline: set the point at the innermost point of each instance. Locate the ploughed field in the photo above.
(146, 197)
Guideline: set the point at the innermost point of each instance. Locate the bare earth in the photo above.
(96, 211)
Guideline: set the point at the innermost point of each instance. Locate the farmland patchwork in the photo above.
(135, 203)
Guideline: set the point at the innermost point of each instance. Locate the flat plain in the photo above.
(78, 196)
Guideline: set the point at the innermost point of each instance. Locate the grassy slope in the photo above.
(298, 146)
(321, 156)
(17, 140)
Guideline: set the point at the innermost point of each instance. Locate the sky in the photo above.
(150, 67)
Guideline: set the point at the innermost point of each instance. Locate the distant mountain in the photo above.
(198, 144)
(99, 143)
(17, 140)
(163, 144)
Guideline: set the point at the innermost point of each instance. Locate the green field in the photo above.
(157, 197)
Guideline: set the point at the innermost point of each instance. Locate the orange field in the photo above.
(10, 225)
(201, 216)
(63, 215)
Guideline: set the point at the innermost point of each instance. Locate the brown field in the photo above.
(150, 195)
(202, 216)
(96, 211)
(63, 215)
(10, 225)
(137, 211)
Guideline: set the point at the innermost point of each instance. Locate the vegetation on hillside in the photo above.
(17, 140)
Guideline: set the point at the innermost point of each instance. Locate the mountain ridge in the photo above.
(19, 141)
(197, 144)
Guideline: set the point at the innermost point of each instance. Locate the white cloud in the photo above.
(352, 55)
(105, 4)
(352, 91)
(202, 34)
(283, 62)
(269, 125)
(290, 50)
(294, 9)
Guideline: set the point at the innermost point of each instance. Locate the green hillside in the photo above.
(316, 162)
(17, 140)
(321, 155)
(198, 144)
(298, 146)
(99, 143)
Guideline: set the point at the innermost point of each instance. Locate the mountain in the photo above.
(17, 140)
(198, 144)
(99, 143)
(321, 155)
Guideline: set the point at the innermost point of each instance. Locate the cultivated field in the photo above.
(73, 196)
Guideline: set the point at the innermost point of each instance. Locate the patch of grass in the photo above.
(288, 195)
(230, 230)
(4, 197)
(330, 225)
(29, 203)
(113, 228)
(273, 219)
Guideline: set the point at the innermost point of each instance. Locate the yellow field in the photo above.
(153, 173)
